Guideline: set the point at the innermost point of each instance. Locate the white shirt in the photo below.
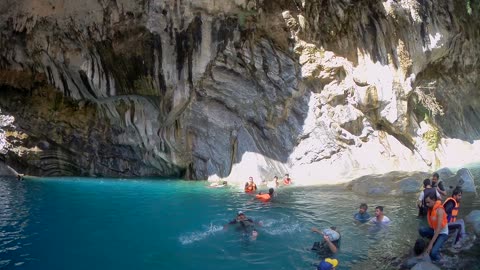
(422, 195)
(385, 220)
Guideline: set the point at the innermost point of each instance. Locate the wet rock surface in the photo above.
(325, 91)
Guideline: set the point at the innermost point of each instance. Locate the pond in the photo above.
(97, 223)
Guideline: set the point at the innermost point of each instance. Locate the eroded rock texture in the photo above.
(325, 90)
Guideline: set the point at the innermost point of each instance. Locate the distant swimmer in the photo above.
(380, 218)
(244, 224)
(219, 184)
(287, 180)
(250, 186)
(362, 215)
(274, 183)
(266, 196)
(330, 244)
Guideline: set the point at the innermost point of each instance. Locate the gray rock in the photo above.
(425, 266)
(6, 170)
(393, 183)
(462, 178)
(445, 173)
(201, 90)
(474, 219)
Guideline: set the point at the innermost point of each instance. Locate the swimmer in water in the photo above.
(247, 225)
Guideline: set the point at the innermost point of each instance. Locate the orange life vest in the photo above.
(452, 217)
(432, 215)
(263, 197)
(250, 188)
(287, 181)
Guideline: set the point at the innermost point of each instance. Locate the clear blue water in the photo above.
(81, 223)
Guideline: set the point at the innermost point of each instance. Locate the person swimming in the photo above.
(330, 244)
(362, 215)
(266, 196)
(244, 224)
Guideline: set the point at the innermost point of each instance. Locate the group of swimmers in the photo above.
(441, 217)
(251, 187)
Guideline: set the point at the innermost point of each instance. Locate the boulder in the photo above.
(6, 170)
(445, 173)
(425, 266)
(463, 178)
(474, 219)
(393, 183)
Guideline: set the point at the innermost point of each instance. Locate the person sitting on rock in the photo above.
(438, 228)
(452, 205)
(362, 215)
(250, 186)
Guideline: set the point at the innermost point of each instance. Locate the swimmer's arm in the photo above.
(332, 247)
(316, 230)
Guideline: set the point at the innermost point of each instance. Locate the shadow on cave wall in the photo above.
(128, 58)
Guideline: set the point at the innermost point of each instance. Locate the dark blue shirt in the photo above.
(362, 217)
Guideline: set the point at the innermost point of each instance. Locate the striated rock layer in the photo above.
(208, 89)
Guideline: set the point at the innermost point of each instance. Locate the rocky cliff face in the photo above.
(325, 90)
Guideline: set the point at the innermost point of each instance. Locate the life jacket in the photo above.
(250, 188)
(263, 197)
(287, 181)
(432, 215)
(452, 217)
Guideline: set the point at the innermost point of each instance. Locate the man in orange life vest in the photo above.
(250, 186)
(438, 229)
(451, 205)
(265, 197)
(287, 180)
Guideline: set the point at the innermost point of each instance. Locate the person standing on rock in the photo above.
(438, 228)
(452, 205)
(422, 207)
(438, 184)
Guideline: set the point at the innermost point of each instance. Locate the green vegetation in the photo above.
(432, 136)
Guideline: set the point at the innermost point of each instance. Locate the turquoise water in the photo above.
(81, 223)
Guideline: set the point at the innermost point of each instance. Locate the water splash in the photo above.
(192, 237)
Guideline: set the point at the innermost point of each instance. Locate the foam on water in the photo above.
(192, 237)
